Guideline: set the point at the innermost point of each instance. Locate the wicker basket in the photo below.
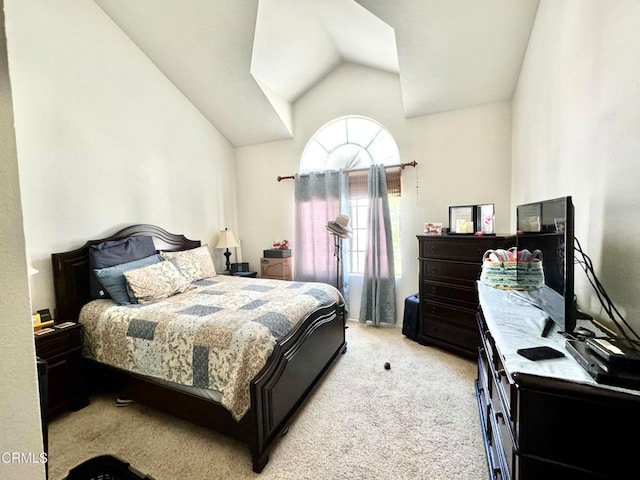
(512, 269)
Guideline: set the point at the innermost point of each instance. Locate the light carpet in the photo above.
(418, 420)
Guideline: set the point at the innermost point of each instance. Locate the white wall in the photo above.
(576, 119)
(463, 157)
(104, 139)
(20, 430)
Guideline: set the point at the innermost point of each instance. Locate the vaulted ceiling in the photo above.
(244, 63)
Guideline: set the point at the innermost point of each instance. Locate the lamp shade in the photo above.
(226, 240)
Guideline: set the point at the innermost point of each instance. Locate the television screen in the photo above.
(548, 226)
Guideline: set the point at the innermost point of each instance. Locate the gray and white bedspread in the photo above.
(217, 335)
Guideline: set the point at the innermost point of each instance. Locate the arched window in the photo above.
(354, 143)
(349, 143)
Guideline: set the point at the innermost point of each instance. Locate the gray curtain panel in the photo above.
(378, 303)
(319, 198)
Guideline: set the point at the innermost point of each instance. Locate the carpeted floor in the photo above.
(418, 420)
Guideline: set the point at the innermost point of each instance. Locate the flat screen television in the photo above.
(548, 226)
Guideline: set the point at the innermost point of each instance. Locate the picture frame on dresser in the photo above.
(462, 219)
(433, 228)
(472, 219)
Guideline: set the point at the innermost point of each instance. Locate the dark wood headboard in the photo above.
(71, 269)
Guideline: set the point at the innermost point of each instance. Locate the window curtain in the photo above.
(319, 198)
(378, 302)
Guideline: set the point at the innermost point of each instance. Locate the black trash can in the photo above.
(411, 315)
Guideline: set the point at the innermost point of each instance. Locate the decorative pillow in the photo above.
(114, 282)
(153, 282)
(116, 252)
(194, 264)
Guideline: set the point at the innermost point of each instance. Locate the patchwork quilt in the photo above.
(217, 335)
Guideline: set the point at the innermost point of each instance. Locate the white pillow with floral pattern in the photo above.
(154, 282)
(194, 264)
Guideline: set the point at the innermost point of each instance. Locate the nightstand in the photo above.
(61, 349)
(277, 268)
(239, 274)
(245, 274)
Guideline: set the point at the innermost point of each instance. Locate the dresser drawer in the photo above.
(460, 317)
(50, 345)
(468, 296)
(457, 273)
(452, 334)
(503, 443)
(462, 249)
(485, 411)
(503, 385)
(484, 383)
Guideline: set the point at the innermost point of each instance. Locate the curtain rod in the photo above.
(400, 165)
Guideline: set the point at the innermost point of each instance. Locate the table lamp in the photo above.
(227, 240)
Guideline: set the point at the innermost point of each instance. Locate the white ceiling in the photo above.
(243, 63)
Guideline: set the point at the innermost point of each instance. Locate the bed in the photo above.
(299, 348)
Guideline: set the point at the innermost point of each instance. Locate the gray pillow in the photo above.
(114, 281)
(116, 252)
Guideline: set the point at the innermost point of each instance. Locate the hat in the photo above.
(340, 226)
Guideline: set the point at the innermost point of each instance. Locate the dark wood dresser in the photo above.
(547, 419)
(450, 265)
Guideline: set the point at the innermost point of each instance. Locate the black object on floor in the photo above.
(411, 315)
(105, 467)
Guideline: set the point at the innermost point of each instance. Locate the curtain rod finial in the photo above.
(409, 164)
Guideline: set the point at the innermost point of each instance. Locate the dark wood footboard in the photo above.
(296, 367)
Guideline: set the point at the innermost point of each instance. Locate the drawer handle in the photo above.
(480, 252)
(499, 417)
(434, 249)
(433, 269)
(434, 289)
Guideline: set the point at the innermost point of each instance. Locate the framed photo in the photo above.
(433, 228)
(485, 216)
(45, 315)
(472, 219)
(529, 217)
(462, 219)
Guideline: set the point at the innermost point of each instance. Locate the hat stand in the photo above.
(337, 252)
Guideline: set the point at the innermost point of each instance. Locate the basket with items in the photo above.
(512, 269)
